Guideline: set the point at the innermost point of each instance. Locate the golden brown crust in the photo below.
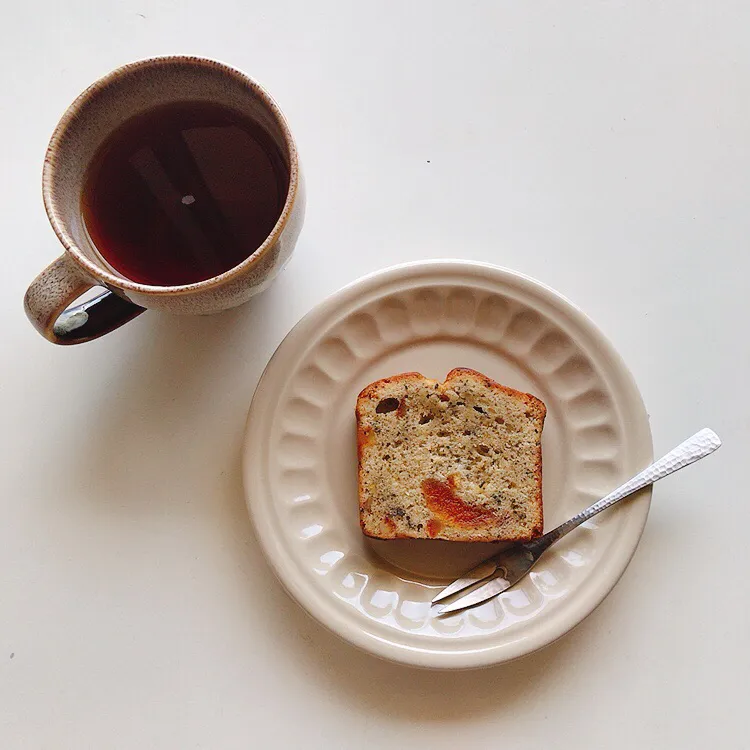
(370, 535)
(364, 435)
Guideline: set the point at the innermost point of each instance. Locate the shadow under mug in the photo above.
(105, 105)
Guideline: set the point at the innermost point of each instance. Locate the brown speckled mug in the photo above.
(112, 100)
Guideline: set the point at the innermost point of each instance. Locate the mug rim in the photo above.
(103, 274)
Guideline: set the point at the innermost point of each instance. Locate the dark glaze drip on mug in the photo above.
(183, 192)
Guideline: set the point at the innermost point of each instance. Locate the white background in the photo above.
(601, 147)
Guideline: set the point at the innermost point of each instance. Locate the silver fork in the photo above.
(508, 567)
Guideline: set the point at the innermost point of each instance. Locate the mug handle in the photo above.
(61, 283)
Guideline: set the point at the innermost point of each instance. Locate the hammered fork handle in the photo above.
(693, 449)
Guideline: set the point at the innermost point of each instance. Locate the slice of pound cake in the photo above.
(459, 460)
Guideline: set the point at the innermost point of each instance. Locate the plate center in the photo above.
(430, 560)
(427, 560)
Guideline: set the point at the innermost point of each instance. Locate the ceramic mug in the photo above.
(98, 111)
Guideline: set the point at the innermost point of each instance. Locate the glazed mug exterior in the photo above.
(106, 104)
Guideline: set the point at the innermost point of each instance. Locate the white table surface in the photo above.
(602, 147)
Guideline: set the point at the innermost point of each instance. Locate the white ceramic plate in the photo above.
(300, 462)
